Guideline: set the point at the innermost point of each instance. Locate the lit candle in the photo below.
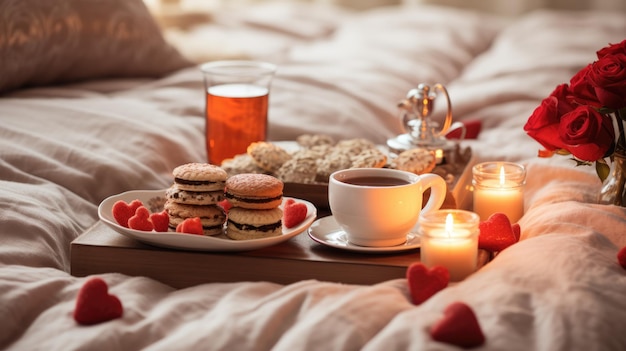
(449, 238)
(499, 187)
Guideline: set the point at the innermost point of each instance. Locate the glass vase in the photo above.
(613, 190)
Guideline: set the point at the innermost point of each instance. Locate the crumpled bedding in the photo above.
(66, 148)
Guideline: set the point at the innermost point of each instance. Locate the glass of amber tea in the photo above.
(237, 99)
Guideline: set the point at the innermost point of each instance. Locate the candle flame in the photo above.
(501, 175)
(449, 224)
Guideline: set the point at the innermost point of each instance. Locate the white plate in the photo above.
(326, 231)
(191, 241)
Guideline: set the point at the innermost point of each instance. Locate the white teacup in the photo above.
(379, 206)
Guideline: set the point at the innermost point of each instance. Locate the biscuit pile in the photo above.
(255, 200)
(317, 157)
(196, 192)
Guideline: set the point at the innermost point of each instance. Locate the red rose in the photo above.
(543, 124)
(582, 92)
(608, 78)
(613, 49)
(588, 134)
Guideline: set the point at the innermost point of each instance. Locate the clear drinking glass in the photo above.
(237, 100)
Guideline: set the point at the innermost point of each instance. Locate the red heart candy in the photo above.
(190, 226)
(293, 213)
(621, 257)
(160, 221)
(496, 233)
(122, 211)
(458, 326)
(424, 282)
(517, 231)
(94, 304)
(141, 220)
(225, 205)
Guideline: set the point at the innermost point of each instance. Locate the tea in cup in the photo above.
(379, 207)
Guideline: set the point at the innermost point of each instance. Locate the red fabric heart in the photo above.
(160, 221)
(141, 220)
(190, 226)
(424, 282)
(94, 304)
(122, 211)
(459, 326)
(621, 257)
(293, 213)
(496, 233)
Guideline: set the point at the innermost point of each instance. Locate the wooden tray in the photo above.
(102, 250)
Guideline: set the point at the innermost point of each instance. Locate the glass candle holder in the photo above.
(449, 238)
(499, 187)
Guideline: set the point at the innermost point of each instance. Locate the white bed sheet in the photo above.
(66, 148)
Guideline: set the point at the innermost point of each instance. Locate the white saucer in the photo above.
(326, 231)
(193, 242)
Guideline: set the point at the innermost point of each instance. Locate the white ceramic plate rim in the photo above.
(191, 241)
(326, 231)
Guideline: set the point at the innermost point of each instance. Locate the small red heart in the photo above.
(141, 220)
(425, 282)
(160, 221)
(517, 231)
(621, 257)
(225, 205)
(122, 211)
(190, 226)
(496, 233)
(459, 326)
(94, 304)
(293, 213)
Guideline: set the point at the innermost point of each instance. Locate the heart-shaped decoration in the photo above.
(294, 213)
(621, 257)
(517, 231)
(459, 326)
(424, 282)
(191, 225)
(122, 211)
(94, 304)
(141, 220)
(160, 221)
(496, 233)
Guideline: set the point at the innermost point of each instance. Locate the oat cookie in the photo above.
(331, 163)
(300, 169)
(369, 158)
(418, 161)
(242, 163)
(268, 156)
(354, 146)
(311, 140)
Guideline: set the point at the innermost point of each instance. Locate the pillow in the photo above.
(45, 42)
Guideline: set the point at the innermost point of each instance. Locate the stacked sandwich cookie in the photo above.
(196, 192)
(255, 212)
